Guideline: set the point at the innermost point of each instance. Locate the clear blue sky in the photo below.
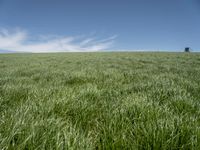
(131, 24)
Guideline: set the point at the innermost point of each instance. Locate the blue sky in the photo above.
(93, 25)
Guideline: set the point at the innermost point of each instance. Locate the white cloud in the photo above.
(20, 41)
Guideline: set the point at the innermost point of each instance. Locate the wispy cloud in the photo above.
(20, 41)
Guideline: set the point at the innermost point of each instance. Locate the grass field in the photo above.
(100, 101)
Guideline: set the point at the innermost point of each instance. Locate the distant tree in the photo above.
(187, 49)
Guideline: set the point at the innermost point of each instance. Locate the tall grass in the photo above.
(100, 101)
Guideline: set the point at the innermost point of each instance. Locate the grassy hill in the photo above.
(100, 101)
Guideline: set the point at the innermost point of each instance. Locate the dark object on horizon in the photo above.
(187, 49)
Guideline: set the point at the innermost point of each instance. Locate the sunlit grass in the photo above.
(100, 101)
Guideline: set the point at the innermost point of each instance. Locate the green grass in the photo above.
(100, 101)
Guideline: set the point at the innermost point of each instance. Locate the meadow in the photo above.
(113, 100)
